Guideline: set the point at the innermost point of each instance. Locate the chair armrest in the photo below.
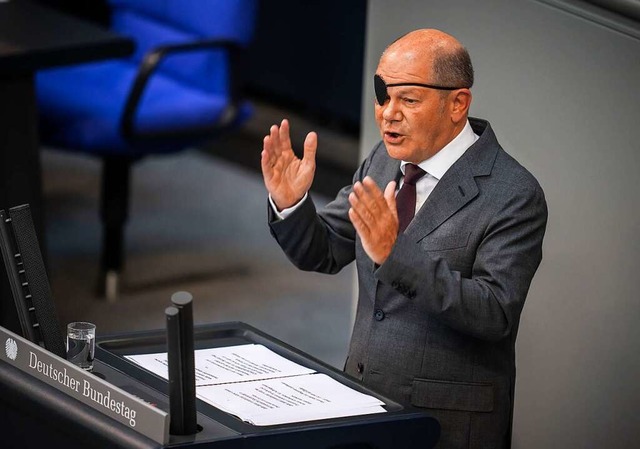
(150, 63)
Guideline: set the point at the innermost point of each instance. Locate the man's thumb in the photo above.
(310, 146)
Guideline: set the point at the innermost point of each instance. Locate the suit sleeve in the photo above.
(323, 242)
(487, 305)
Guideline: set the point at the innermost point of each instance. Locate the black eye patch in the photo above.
(380, 88)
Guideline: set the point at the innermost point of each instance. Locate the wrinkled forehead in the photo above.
(405, 65)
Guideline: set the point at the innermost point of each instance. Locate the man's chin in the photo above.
(397, 152)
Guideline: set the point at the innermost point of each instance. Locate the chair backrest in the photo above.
(152, 23)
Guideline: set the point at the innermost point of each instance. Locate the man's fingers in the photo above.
(369, 193)
(372, 188)
(390, 197)
(374, 217)
(266, 144)
(274, 137)
(362, 208)
(266, 156)
(358, 223)
(363, 201)
(310, 147)
(354, 201)
(284, 135)
(266, 164)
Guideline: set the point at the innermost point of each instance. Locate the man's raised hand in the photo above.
(287, 177)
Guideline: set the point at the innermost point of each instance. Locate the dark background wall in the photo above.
(94, 10)
(309, 56)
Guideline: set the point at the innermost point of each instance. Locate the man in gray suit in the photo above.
(439, 302)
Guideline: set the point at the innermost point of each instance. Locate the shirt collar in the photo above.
(438, 164)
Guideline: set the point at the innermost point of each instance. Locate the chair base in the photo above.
(114, 209)
(110, 286)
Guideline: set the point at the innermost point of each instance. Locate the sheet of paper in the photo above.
(228, 364)
(263, 388)
(287, 400)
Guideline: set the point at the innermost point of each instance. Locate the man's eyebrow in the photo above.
(404, 90)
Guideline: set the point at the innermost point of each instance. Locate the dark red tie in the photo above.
(406, 197)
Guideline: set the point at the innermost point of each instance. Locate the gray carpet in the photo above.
(198, 224)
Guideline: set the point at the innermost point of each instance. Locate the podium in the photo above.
(35, 414)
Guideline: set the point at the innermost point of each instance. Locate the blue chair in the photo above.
(179, 88)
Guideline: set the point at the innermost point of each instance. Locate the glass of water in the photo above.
(81, 344)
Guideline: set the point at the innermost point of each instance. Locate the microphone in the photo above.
(182, 378)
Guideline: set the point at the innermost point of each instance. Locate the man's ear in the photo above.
(460, 105)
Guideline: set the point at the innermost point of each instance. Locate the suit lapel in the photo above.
(385, 173)
(456, 188)
(458, 185)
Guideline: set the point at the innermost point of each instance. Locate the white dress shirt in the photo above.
(436, 166)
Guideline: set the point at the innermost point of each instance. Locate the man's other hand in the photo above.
(374, 217)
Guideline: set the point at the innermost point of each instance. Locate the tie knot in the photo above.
(412, 173)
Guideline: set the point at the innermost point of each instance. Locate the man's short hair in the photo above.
(453, 68)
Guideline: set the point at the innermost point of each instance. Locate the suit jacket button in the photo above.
(360, 368)
(394, 284)
(412, 294)
(378, 315)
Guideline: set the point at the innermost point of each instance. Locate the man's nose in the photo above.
(391, 111)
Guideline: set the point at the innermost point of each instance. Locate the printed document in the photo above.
(228, 364)
(263, 388)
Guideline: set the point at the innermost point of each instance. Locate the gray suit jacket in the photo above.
(436, 324)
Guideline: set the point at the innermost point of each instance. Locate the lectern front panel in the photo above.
(47, 417)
